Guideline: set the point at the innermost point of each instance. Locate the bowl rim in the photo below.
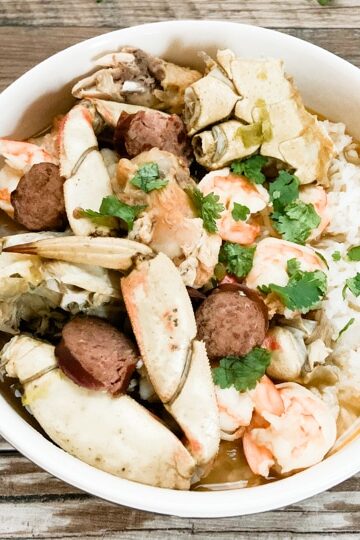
(191, 504)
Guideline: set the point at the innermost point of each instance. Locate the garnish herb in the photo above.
(323, 2)
(284, 190)
(353, 284)
(336, 256)
(346, 327)
(207, 207)
(296, 221)
(321, 256)
(251, 168)
(354, 253)
(240, 212)
(237, 259)
(303, 290)
(148, 178)
(243, 372)
(112, 207)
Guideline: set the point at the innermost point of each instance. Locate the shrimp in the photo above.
(236, 409)
(270, 262)
(295, 439)
(316, 195)
(232, 189)
(19, 158)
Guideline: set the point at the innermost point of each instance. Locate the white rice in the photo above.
(343, 232)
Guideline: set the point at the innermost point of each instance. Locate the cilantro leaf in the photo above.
(296, 222)
(292, 266)
(353, 284)
(240, 212)
(354, 253)
(336, 256)
(284, 190)
(243, 372)
(323, 2)
(207, 207)
(251, 168)
(303, 290)
(346, 327)
(237, 259)
(111, 206)
(148, 178)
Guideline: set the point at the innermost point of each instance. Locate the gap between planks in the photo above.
(280, 13)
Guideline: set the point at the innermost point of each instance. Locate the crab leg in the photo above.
(164, 325)
(131, 443)
(107, 252)
(87, 180)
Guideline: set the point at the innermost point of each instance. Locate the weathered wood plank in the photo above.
(32, 45)
(83, 516)
(280, 13)
(33, 502)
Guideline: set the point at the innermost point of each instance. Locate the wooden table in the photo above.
(32, 503)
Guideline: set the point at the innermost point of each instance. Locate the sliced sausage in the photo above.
(96, 355)
(136, 133)
(231, 322)
(38, 200)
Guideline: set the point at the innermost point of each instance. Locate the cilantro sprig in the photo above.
(238, 260)
(304, 289)
(251, 168)
(354, 253)
(284, 190)
(148, 177)
(292, 218)
(296, 221)
(111, 206)
(243, 372)
(207, 207)
(240, 212)
(353, 284)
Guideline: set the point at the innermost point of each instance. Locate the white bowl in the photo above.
(329, 86)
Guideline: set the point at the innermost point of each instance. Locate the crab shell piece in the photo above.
(87, 179)
(110, 111)
(128, 441)
(163, 321)
(107, 252)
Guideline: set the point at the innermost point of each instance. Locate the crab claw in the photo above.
(107, 252)
(131, 444)
(87, 179)
(163, 321)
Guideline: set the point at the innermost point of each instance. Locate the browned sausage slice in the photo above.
(96, 355)
(231, 321)
(136, 133)
(38, 200)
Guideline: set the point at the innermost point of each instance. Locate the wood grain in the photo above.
(279, 13)
(37, 496)
(32, 45)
